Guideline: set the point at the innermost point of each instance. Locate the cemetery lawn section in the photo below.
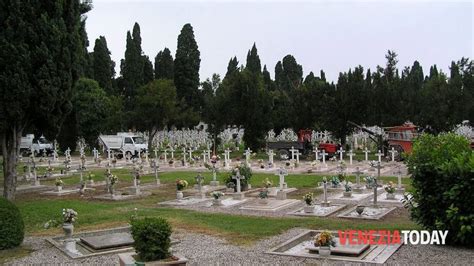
(94, 214)
(238, 229)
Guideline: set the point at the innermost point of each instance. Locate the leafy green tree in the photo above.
(164, 65)
(92, 107)
(104, 67)
(156, 107)
(186, 68)
(214, 109)
(41, 55)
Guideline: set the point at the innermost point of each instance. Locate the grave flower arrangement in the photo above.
(390, 189)
(90, 176)
(324, 239)
(308, 198)
(113, 180)
(335, 181)
(58, 182)
(370, 181)
(347, 187)
(230, 185)
(50, 170)
(217, 194)
(263, 194)
(69, 216)
(267, 183)
(181, 184)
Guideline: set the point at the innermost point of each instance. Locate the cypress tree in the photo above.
(253, 61)
(41, 55)
(186, 68)
(148, 75)
(164, 65)
(232, 67)
(104, 67)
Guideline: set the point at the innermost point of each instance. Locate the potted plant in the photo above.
(347, 190)
(217, 195)
(390, 189)
(370, 182)
(308, 199)
(324, 240)
(152, 242)
(59, 184)
(69, 217)
(181, 184)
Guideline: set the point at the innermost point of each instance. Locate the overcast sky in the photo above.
(333, 36)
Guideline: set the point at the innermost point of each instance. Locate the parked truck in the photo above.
(303, 144)
(38, 146)
(125, 143)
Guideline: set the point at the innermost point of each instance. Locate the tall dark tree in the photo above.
(104, 67)
(164, 65)
(186, 68)
(253, 61)
(267, 80)
(232, 67)
(41, 50)
(132, 67)
(288, 73)
(148, 74)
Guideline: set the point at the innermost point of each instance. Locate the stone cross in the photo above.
(227, 158)
(68, 153)
(155, 166)
(351, 154)
(341, 153)
(247, 155)
(297, 156)
(237, 177)
(184, 155)
(270, 156)
(156, 153)
(204, 155)
(172, 153)
(379, 155)
(357, 174)
(324, 156)
(393, 151)
(95, 154)
(378, 166)
(325, 202)
(293, 151)
(399, 175)
(165, 153)
(199, 178)
(281, 174)
(108, 154)
(316, 153)
(190, 150)
(55, 151)
(366, 151)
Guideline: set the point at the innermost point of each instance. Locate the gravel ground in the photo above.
(209, 250)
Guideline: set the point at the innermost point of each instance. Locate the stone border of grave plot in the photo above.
(55, 242)
(299, 213)
(122, 197)
(63, 192)
(172, 202)
(383, 200)
(251, 207)
(379, 257)
(378, 217)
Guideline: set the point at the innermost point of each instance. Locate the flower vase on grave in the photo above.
(390, 196)
(360, 209)
(68, 229)
(324, 251)
(59, 188)
(217, 202)
(308, 209)
(179, 195)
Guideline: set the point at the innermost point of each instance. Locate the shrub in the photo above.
(244, 171)
(11, 225)
(151, 238)
(441, 170)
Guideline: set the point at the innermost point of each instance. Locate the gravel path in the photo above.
(209, 250)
